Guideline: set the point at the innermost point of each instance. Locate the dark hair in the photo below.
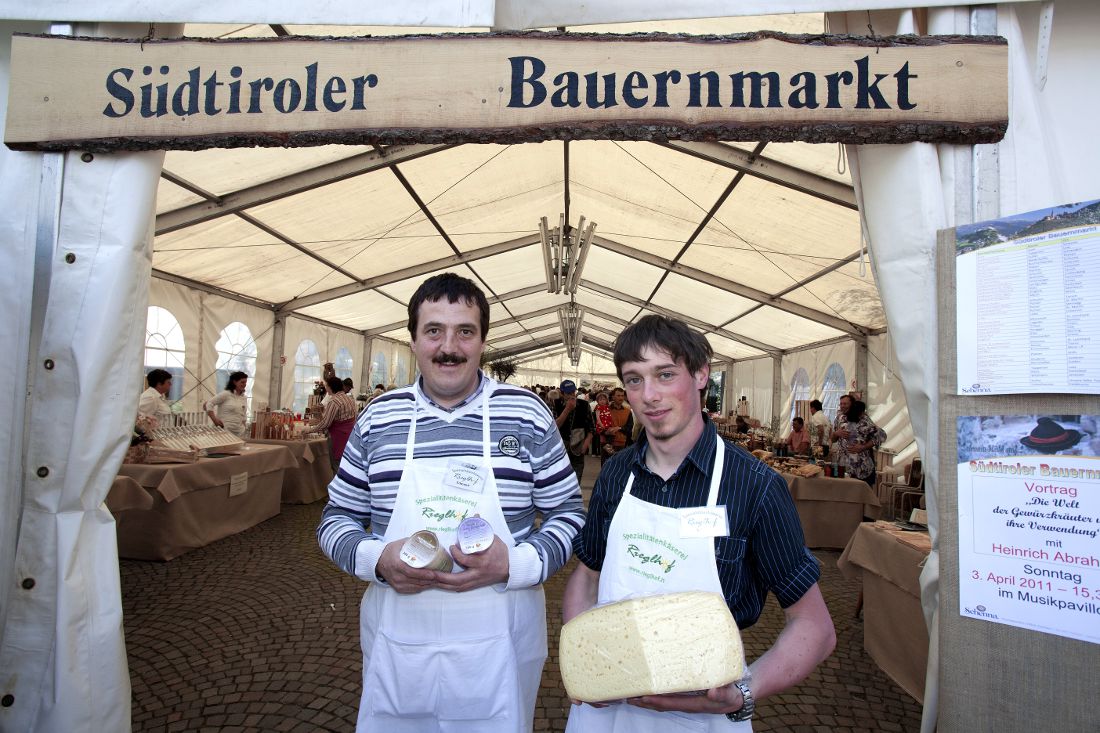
(798, 421)
(855, 412)
(452, 287)
(233, 377)
(667, 334)
(816, 404)
(157, 377)
(348, 383)
(380, 386)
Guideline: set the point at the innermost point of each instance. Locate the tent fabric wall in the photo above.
(753, 379)
(62, 656)
(886, 400)
(815, 362)
(202, 317)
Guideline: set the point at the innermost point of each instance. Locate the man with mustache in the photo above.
(755, 545)
(461, 650)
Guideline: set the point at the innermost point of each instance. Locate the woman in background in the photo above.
(229, 408)
(338, 419)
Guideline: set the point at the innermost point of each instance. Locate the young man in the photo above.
(462, 650)
(680, 462)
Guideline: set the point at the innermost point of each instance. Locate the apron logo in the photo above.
(509, 445)
(656, 559)
(430, 513)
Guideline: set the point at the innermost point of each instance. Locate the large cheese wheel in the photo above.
(677, 642)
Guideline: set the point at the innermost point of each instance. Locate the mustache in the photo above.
(449, 359)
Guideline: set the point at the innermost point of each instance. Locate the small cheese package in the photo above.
(651, 645)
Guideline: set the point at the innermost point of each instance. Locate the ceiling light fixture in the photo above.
(564, 251)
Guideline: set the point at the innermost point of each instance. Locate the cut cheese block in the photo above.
(677, 642)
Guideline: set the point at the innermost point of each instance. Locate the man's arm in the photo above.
(581, 592)
(807, 639)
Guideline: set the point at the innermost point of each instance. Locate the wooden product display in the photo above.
(185, 439)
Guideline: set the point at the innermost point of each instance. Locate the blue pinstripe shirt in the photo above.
(765, 549)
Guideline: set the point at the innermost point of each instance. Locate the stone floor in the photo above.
(259, 632)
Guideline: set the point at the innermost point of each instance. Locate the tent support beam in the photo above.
(532, 290)
(769, 170)
(736, 288)
(278, 343)
(307, 180)
(408, 272)
(625, 323)
(213, 290)
(602, 290)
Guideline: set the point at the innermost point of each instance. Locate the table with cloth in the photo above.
(831, 508)
(889, 561)
(308, 481)
(190, 505)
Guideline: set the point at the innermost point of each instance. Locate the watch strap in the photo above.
(748, 705)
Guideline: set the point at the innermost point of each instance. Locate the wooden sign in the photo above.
(103, 94)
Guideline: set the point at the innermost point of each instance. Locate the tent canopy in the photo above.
(756, 244)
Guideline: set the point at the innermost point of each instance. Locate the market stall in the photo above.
(889, 560)
(308, 481)
(831, 508)
(194, 504)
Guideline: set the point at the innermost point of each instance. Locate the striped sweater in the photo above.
(532, 473)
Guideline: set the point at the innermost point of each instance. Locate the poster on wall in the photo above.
(1028, 305)
(1029, 522)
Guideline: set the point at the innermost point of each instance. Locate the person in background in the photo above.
(620, 434)
(154, 400)
(859, 438)
(819, 428)
(741, 426)
(229, 408)
(840, 430)
(348, 385)
(574, 418)
(681, 462)
(601, 418)
(799, 440)
(337, 419)
(462, 650)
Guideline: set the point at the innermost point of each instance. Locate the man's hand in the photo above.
(400, 575)
(719, 700)
(485, 568)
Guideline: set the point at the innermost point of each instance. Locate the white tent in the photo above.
(758, 245)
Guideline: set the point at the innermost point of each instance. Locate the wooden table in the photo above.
(889, 562)
(831, 508)
(194, 504)
(308, 481)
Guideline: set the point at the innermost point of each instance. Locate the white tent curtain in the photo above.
(752, 379)
(886, 400)
(62, 653)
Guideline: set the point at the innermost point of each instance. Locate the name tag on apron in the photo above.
(704, 521)
(465, 475)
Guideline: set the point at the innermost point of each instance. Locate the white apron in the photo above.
(439, 660)
(688, 564)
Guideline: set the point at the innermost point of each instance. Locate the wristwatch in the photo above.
(747, 707)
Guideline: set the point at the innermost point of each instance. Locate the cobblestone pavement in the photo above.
(259, 632)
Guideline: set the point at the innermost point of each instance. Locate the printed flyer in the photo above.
(1028, 308)
(1029, 522)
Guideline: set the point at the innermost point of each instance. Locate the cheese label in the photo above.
(465, 475)
(704, 521)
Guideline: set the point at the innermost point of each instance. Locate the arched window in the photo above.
(164, 347)
(401, 369)
(236, 353)
(379, 371)
(715, 389)
(835, 387)
(307, 372)
(800, 396)
(344, 363)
